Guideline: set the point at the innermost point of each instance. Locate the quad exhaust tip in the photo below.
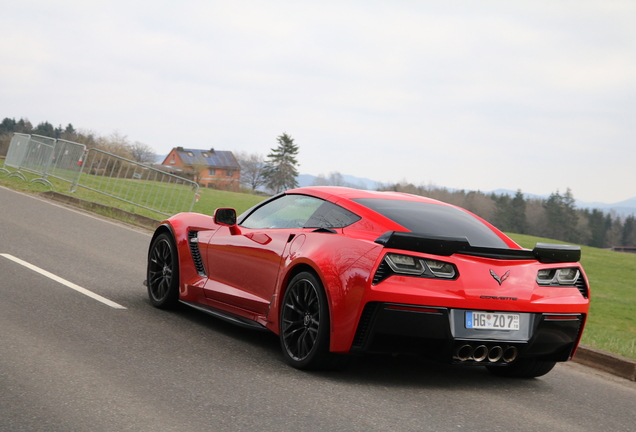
(494, 354)
(510, 354)
(480, 353)
(465, 352)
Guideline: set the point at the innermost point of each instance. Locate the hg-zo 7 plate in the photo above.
(492, 320)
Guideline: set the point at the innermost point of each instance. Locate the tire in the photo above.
(163, 272)
(304, 325)
(523, 368)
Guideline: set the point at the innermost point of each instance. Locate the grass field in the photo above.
(611, 325)
(209, 199)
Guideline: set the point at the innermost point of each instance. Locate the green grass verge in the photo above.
(209, 199)
(611, 324)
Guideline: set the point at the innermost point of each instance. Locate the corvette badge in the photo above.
(501, 279)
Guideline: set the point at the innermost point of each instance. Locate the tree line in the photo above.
(555, 217)
(114, 143)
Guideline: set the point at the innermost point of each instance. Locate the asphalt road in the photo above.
(69, 362)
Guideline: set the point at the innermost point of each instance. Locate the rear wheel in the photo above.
(304, 325)
(523, 368)
(163, 272)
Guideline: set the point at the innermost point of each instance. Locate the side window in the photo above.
(288, 211)
(330, 215)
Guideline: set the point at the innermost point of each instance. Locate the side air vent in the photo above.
(582, 286)
(383, 272)
(364, 325)
(193, 240)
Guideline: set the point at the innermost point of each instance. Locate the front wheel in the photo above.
(523, 368)
(163, 272)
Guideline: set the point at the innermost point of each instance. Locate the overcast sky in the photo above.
(476, 95)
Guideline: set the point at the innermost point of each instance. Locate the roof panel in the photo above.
(218, 159)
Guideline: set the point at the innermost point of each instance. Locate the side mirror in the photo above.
(225, 216)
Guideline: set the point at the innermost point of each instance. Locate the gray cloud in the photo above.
(473, 95)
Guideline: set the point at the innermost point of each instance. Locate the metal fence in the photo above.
(44, 157)
(66, 163)
(32, 154)
(17, 150)
(99, 171)
(136, 183)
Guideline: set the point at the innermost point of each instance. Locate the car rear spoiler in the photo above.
(447, 246)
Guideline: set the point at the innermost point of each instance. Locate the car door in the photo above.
(243, 268)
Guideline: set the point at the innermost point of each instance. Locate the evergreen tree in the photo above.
(502, 217)
(280, 169)
(561, 217)
(598, 227)
(45, 129)
(7, 125)
(518, 220)
(629, 231)
(23, 126)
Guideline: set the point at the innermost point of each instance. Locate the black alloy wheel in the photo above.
(163, 272)
(304, 323)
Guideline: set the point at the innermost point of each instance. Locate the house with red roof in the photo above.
(211, 168)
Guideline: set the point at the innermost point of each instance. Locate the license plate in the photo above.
(492, 321)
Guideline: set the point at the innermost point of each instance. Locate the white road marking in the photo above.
(64, 282)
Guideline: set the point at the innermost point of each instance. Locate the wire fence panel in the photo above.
(67, 160)
(136, 183)
(38, 157)
(43, 139)
(17, 149)
(31, 153)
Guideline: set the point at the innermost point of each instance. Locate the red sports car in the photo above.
(336, 271)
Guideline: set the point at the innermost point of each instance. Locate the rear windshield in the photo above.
(435, 220)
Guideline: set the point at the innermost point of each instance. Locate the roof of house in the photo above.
(212, 158)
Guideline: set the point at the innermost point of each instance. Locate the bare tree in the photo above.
(320, 180)
(142, 153)
(252, 165)
(333, 179)
(116, 144)
(336, 179)
(200, 169)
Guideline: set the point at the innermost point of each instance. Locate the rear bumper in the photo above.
(440, 334)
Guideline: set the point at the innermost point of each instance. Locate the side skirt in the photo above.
(226, 316)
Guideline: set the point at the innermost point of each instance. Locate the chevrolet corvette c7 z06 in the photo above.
(336, 272)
